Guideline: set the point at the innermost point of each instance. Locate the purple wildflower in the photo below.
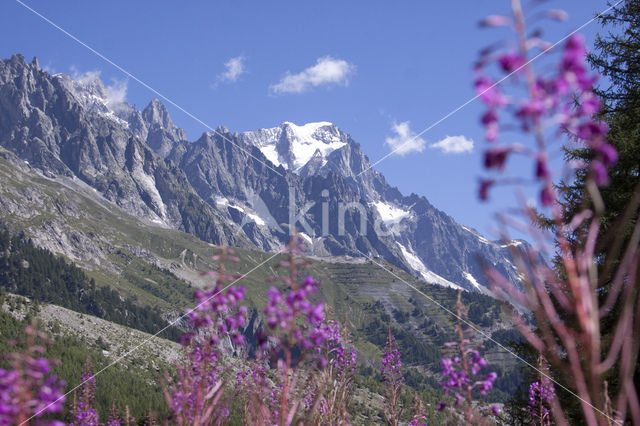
(489, 93)
(194, 397)
(496, 157)
(542, 167)
(483, 191)
(84, 412)
(392, 378)
(608, 154)
(283, 311)
(495, 21)
(27, 389)
(461, 373)
(551, 100)
(541, 393)
(510, 61)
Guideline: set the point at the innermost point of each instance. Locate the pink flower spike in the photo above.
(317, 313)
(592, 130)
(575, 44)
(510, 61)
(542, 170)
(496, 158)
(237, 339)
(599, 173)
(561, 85)
(608, 154)
(546, 196)
(489, 117)
(483, 191)
(591, 105)
(489, 92)
(491, 134)
(495, 21)
(531, 110)
(557, 14)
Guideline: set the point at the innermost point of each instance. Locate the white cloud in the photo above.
(234, 68)
(454, 145)
(84, 78)
(49, 68)
(117, 93)
(327, 70)
(405, 140)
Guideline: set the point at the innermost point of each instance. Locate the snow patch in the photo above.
(257, 219)
(221, 200)
(390, 213)
(415, 262)
(480, 237)
(513, 243)
(271, 153)
(305, 237)
(477, 285)
(251, 215)
(305, 142)
(472, 280)
(94, 97)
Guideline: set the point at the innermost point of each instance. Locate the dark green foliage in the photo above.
(617, 58)
(506, 337)
(515, 408)
(421, 347)
(400, 316)
(479, 315)
(36, 273)
(119, 384)
(158, 282)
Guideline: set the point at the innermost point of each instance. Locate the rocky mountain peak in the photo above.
(95, 98)
(161, 133)
(72, 127)
(17, 66)
(16, 61)
(156, 114)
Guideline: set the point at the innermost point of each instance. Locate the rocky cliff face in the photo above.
(67, 128)
(236, 188)
(342, 206)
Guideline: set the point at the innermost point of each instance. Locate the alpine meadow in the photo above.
(298, 267)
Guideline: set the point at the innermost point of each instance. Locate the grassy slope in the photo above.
(103, 342)
(135, 258)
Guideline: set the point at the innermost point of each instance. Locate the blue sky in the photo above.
(369, 67)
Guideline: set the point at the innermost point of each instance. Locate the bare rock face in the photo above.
(68, 128)
(235, 188)
(161, 133)
(340, 204)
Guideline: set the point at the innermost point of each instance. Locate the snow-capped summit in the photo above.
(292, 146)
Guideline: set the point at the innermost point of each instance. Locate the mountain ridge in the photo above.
(220, 187)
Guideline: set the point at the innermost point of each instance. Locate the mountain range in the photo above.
(245, 189)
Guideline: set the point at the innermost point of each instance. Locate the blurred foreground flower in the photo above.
(28, 389)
